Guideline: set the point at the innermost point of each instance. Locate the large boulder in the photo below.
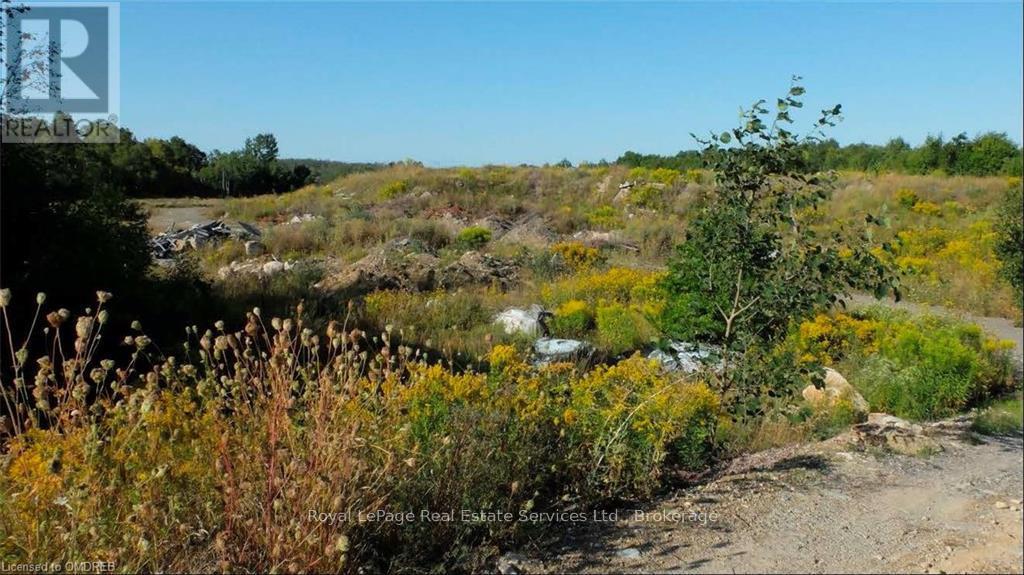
(529, 321)
(834, 390)
(552, 350)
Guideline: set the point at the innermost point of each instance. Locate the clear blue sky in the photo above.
(473, 83)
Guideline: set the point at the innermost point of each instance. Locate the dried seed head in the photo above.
(40, 298)
(104, 296)
(5, 297)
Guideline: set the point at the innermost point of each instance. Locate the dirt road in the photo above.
(820, 509)
(180, 213)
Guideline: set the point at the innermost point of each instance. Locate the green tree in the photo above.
(752, 263)
(1010, 248)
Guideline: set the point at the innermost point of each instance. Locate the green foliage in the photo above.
(922, 367)
(393, 189)
(987, 154)
(474, 237)
(1010, 246)
(622, 329)
(1004, 417)
(751, 262)
(605, 218)
(572, 319)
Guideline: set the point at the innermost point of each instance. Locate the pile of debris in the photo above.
(165, 245)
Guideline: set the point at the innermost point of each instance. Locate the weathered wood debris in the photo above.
(165, 245)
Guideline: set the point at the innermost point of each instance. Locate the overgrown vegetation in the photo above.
(217, 457)
(401, 393)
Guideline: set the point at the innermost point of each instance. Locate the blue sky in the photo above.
(472, 83)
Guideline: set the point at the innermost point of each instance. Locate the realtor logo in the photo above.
(60, 66)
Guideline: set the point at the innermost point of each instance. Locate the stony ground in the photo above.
(822, 508)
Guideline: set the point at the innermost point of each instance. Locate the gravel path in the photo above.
(821, 509)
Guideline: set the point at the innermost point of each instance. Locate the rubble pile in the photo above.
(166, 245)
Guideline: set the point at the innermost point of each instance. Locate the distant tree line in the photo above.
(987, 154)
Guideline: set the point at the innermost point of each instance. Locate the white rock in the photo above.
(524, 321)
(550, 350)
(628, 553)
(275, 267)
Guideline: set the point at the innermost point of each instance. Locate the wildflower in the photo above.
(137, 325)
(40, 298)
(54, 319)
(83, 327)
(104, 296)
(341, 544)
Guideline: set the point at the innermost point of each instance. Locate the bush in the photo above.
(621, 329)
(919, 368)
(393, 189)
(1010, 246)
(577, 256)
(474, 237)
(573, 319)
(605, 218)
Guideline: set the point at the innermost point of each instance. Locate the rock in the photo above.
(395, 265)
(895, 434)
(528, 321)
(531, 230)
(475, 268)
(1001, 505)
(836, 388)
(628, 553)
(300, 218)
(511, 564)
(598, 239)
(275, 267)
(255, 266)
(551, 350)
(254, 248)
(498, 226)
(687, 357)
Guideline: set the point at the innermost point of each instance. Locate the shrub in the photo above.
(639, 288)
(927, 208)
(646, 196)
(605, 218)
(906, 197)
(474, 237)
(1010, 246)
(572, 319)
(578, 256)
(621, 329)
(919, 368)
(393, 189)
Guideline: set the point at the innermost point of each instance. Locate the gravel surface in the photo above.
(820, 508)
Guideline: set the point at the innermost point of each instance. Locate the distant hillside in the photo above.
(327, 170)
